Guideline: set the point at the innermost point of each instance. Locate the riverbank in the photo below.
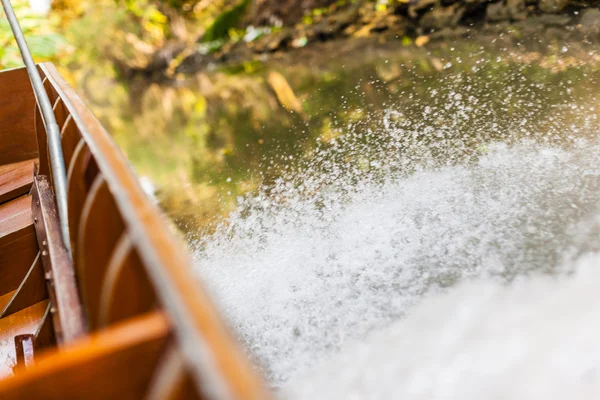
(413, 23)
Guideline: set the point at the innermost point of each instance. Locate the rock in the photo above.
(367, 12)
(401, 8)
(517, 9)
(270, 43)
(442, 17)
(386, 22)
(333, 25)
(499, 27)
(590, 21)
(554, 34)
(552, 6)
(288, 12)
(415, 7)
(497, 12)
(364, 31)
(339, 21)
(191, 64)
(552, 19)
(345, 18)
(380, 26)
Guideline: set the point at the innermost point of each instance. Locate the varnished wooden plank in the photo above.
(24, 322)
(31, 291)
(216, 364)
(15, 179)
(13, 207)
(17, 134)
(99, 229)
(15, 259)
(68, 318)
(126, 291)
(16, 219)
(170, 380)
(116, 363)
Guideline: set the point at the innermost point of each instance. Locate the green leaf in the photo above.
(44, 46)
(226, 20)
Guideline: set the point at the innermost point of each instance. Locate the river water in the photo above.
(425, 225)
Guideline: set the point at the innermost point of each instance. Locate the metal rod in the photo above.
(57, 161)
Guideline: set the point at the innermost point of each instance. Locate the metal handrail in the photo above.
(57, 161)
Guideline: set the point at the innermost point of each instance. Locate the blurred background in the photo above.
(205, 96)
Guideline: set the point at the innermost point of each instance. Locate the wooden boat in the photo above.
(97, 299)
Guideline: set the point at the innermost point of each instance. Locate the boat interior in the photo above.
(114, 311)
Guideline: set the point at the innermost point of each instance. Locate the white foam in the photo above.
(536, 339)
(299, 278)
(352, 236)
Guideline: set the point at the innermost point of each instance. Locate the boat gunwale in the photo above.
(214, 359)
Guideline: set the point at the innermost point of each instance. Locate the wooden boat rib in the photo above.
(123, 317)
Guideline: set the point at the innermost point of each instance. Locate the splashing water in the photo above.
(534, 340)
(354, 236)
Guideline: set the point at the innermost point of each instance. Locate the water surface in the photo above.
(326, 194)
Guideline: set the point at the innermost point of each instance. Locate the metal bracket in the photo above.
(67, 312)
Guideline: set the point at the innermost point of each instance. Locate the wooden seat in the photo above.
(15, 216)
(26, 321)
(18, 244)
(116, 363)
(15, 179)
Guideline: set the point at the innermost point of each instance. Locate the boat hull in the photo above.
(123, 316)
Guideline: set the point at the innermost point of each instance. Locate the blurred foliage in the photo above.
(137, 34)
(227, 20)
(125, 35)
(218, 134)
(40, 33)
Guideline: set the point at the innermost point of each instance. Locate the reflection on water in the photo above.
(363, 181)
(212, 137)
